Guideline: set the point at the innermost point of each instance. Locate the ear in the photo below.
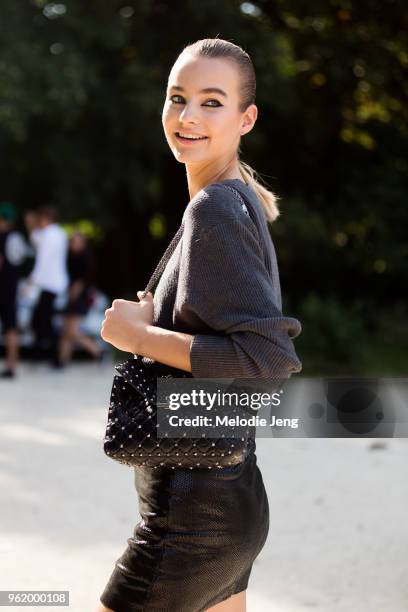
(249, 119)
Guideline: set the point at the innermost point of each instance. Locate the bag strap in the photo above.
(163, 262)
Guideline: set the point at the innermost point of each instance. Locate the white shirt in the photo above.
(50, 268)
(16, 248)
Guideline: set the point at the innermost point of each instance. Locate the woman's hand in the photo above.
(125, 323)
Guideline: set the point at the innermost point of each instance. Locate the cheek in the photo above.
(167, 116)
(225, 128)
(224, 119)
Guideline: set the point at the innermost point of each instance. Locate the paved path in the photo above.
(338, 538)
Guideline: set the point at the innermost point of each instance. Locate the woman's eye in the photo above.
(216, 103)
(206, 104)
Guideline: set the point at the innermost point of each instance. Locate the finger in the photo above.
(148, 295)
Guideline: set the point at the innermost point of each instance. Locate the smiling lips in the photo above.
(187, 137)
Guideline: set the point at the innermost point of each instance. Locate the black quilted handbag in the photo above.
(131, 432)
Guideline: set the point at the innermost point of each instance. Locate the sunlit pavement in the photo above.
(337, 542)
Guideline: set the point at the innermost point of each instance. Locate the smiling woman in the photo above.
(216, 312)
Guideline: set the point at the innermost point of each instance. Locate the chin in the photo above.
(184, 156)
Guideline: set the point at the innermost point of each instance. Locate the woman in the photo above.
(79, 301)
(216, 312)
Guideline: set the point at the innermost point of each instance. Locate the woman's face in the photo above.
(213, 115)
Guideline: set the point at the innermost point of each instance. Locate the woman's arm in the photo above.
(169, 347)
(224, 283)
(128, 326)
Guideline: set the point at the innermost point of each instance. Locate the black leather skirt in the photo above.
(199, 535)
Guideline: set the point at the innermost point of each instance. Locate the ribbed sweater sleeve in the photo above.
(223, 280)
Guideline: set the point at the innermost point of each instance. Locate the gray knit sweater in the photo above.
(222, 285)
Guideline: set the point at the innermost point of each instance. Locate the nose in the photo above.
(188, 114)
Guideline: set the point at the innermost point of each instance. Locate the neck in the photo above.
(200, 177)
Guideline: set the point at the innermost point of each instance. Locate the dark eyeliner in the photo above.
(211, 100)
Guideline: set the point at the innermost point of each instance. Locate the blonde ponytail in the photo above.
(266, 197)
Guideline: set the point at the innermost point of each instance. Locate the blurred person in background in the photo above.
(79, 301)
(13, 249)
(32, 225)
(49, 274)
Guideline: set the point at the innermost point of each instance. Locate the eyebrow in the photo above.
(206, 90)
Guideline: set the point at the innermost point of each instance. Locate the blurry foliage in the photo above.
(87, 228)
(157, 226)
(82, 85)
(332, 329)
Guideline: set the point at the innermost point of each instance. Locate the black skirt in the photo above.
(199, 535)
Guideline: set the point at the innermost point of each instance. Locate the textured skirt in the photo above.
(200, 533)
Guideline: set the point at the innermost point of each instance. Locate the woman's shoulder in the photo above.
(213, 205)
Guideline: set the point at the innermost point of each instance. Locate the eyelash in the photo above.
(211, 105)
